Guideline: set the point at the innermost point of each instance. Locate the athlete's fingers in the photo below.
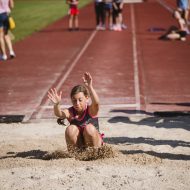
(50, 97)
(60, 94)
(54, 92)
(50, 94)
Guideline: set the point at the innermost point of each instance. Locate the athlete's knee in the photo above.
(71, 130)
(90, 130)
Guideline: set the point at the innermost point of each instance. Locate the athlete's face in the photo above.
(79, 101)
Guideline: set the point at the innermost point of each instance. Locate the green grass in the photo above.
(32, 15)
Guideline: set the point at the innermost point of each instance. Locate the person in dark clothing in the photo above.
(100, 14)
(174, 33)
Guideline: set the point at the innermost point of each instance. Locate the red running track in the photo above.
(164, 64)
(131, 69)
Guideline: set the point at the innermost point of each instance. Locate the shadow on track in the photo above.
(167, 120)
(58, 30)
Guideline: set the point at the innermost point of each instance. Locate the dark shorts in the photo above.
(108, 6)
(4, 22)
(81, 130)
(117, 11)
(182, 34)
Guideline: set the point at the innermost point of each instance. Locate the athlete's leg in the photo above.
(91, 136)
(73, 137)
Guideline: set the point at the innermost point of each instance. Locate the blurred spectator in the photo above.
(183, 9)
(174, 33)
(117, 14)
(178, 15)
(100, 14)
(108, 8)
(5, 9)
(73, 14)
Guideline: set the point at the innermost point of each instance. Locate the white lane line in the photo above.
(135, 60)
(165, 5)
(60, 83)
(58, 86)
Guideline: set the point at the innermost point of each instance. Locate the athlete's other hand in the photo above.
(87, 79)
(54, 96)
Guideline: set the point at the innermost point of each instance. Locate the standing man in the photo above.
(5, 9)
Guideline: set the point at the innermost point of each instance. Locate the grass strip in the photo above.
(32, 15)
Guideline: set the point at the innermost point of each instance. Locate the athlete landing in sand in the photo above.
(83, 130)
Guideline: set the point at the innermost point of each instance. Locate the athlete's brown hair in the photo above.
(79, 88)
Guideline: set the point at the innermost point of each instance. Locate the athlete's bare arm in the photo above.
(94, 107)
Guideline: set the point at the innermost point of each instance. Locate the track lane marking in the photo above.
(135, 56)
(58, 86)
(39, 111)
(163, 3)
(135, 60)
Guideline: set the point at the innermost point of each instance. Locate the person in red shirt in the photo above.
(73, 14)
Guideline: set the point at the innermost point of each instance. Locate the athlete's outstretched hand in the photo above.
(87, 79)
(54, 96)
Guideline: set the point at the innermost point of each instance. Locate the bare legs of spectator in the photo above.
(73, 22)
(2, 43)
(9, 45)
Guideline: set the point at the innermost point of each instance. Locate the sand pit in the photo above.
(143, 153)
